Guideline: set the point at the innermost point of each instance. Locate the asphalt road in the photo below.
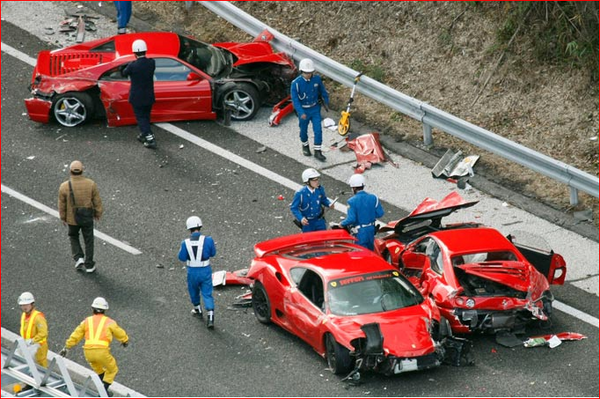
(147, 196)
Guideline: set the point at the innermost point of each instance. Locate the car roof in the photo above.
(473, 240)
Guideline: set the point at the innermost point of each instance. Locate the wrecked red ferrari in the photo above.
(479, 279)
(352, 307)
(193, 80)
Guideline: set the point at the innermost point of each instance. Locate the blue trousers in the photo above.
(314, 225)
(366, 237)
(312, 115)
(199, 280)
(142, 116)
(123, 13)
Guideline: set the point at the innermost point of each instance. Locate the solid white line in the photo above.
(238, 160)
(259, 170)
(575, 313)
(19, 55)
(52, 212)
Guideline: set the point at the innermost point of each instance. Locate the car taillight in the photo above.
(558, 268)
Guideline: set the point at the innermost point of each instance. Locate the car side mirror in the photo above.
(193, 76)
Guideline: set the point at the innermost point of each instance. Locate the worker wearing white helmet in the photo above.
(99, 331)
(141, 90)
(363, 210)
(309, 203)
(308, 93)
(196, 251)
(34, 328)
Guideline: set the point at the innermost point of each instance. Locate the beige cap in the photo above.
(76, 166)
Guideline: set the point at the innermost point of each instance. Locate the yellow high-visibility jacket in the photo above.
(98, 331)
(34, 327)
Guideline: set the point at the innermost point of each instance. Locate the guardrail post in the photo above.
(574, 198)
(427, 137)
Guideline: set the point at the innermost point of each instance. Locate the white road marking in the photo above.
(255, 168)
(52, 212)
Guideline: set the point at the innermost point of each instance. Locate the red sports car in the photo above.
(193, 80)
(351, 306)
(479, 279)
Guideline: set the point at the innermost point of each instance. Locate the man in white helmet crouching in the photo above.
(363, 210)
(196, 251)
(307, 205)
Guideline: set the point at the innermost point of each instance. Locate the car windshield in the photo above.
(207, 58)
(371, 293)
(481, 257)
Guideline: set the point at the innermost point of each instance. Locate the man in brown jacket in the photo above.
(85, 194)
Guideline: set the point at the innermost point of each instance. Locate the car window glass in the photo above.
(315, 251)
(205, 57)
(491, 256)
(311, 286)
(371, 293)
(105, 47)
(114, 73)
(170, 70)
(434, 253)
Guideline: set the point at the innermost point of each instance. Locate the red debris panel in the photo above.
(368, 151)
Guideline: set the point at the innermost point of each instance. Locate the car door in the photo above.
(182, 93)
(304, 305)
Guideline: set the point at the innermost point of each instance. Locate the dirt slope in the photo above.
(441, 53)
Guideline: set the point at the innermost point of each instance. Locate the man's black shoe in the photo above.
(319, 155)
(306, 150)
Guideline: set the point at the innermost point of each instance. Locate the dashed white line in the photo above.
(52, 212)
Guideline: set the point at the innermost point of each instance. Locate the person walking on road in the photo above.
(363, 210)
(196, 251)
(123, 15)
(98, 331)
(309, 202)
(80, 192)
(34, 328)
(141, 92)
(308, 92)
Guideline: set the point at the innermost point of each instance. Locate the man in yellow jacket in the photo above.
(34, 328)
(98, 331)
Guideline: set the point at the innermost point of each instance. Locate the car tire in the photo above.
(242, 100)
(261, 303)
(338, 356)
(72, 109)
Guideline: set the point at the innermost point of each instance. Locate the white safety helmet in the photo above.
(26, 298)
(193, 222)
(306, 65)
(100, 303)
(139, 46)
(357, 180)
(309, 173)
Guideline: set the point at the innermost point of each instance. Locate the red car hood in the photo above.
(405, 331)
(255, 52)
(431, 209)
(516, 275)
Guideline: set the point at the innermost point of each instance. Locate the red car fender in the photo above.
(558, 270)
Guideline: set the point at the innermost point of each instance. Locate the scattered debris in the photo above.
(453, 165)
(583, 216)
(181, 146)
(552, 340)
(243, 301)
(330, 124)
(508, 339)
(368, 151)
(281, 197)
(261, 149)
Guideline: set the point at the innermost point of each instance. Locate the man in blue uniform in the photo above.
(196, 252)
(363, 209)
(307, 93)
(307, 205)
(141, 92)
(123, 15)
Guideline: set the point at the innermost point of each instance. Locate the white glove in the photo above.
(29, 341)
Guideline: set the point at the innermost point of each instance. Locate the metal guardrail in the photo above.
(428, 115)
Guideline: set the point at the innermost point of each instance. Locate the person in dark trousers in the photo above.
(123, 15)
(141, 93)
(196, 251)
(307, 92)
(363, 210)
(307, 205)
(85, 194)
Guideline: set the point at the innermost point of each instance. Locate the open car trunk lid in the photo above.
(513, 274)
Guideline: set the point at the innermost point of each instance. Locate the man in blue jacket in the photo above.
(141, 92)
(196, 251)
(307, 93)
(363, 210)
(307, 205)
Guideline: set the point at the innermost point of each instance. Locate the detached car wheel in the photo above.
(72, 109)
(243, 100)
(338, 356)
(261, 304)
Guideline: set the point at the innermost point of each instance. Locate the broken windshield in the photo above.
(209, 59)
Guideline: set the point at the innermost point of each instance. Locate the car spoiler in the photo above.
(317, 237)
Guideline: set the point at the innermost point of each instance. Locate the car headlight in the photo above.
(470, 303)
